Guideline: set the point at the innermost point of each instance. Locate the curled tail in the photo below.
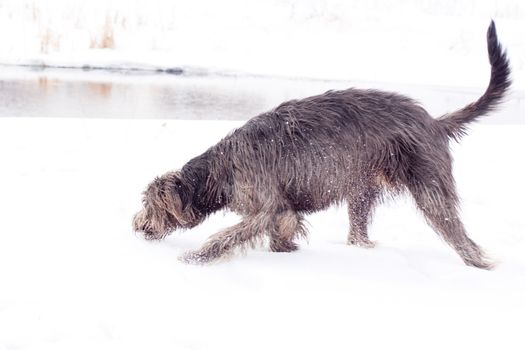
(455, 123)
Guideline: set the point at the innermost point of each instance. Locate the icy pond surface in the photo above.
(70, 93)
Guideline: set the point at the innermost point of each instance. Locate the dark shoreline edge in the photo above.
(90, 68)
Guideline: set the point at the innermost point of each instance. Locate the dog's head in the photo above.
(166, 207)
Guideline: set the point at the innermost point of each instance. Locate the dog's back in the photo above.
(323, 147)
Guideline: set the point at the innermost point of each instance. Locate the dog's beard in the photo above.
(153, 227)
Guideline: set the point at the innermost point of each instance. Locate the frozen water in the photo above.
(59, 93)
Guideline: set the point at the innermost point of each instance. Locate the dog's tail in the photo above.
(455, 123)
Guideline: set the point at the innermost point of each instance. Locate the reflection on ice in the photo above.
(48, 93)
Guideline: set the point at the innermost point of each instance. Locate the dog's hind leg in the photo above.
(288, 226)
(360, 207)
(435, 195)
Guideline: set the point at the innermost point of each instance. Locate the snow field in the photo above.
(73, 274)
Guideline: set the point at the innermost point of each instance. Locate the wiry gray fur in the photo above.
(351, 146)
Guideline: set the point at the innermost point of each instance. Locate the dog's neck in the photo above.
(210, 190)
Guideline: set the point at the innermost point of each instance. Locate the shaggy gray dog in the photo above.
(353, 146)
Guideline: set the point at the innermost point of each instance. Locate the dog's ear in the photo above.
(171, 193)
(184, 192)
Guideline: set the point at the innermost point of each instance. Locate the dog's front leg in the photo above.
(288, 226)
(221, 244)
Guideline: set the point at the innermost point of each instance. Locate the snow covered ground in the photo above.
(73, 274)
(409, 41)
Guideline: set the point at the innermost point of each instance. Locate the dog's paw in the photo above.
(283, 246)
(363, 243)
(195, 258)
(481, 263)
